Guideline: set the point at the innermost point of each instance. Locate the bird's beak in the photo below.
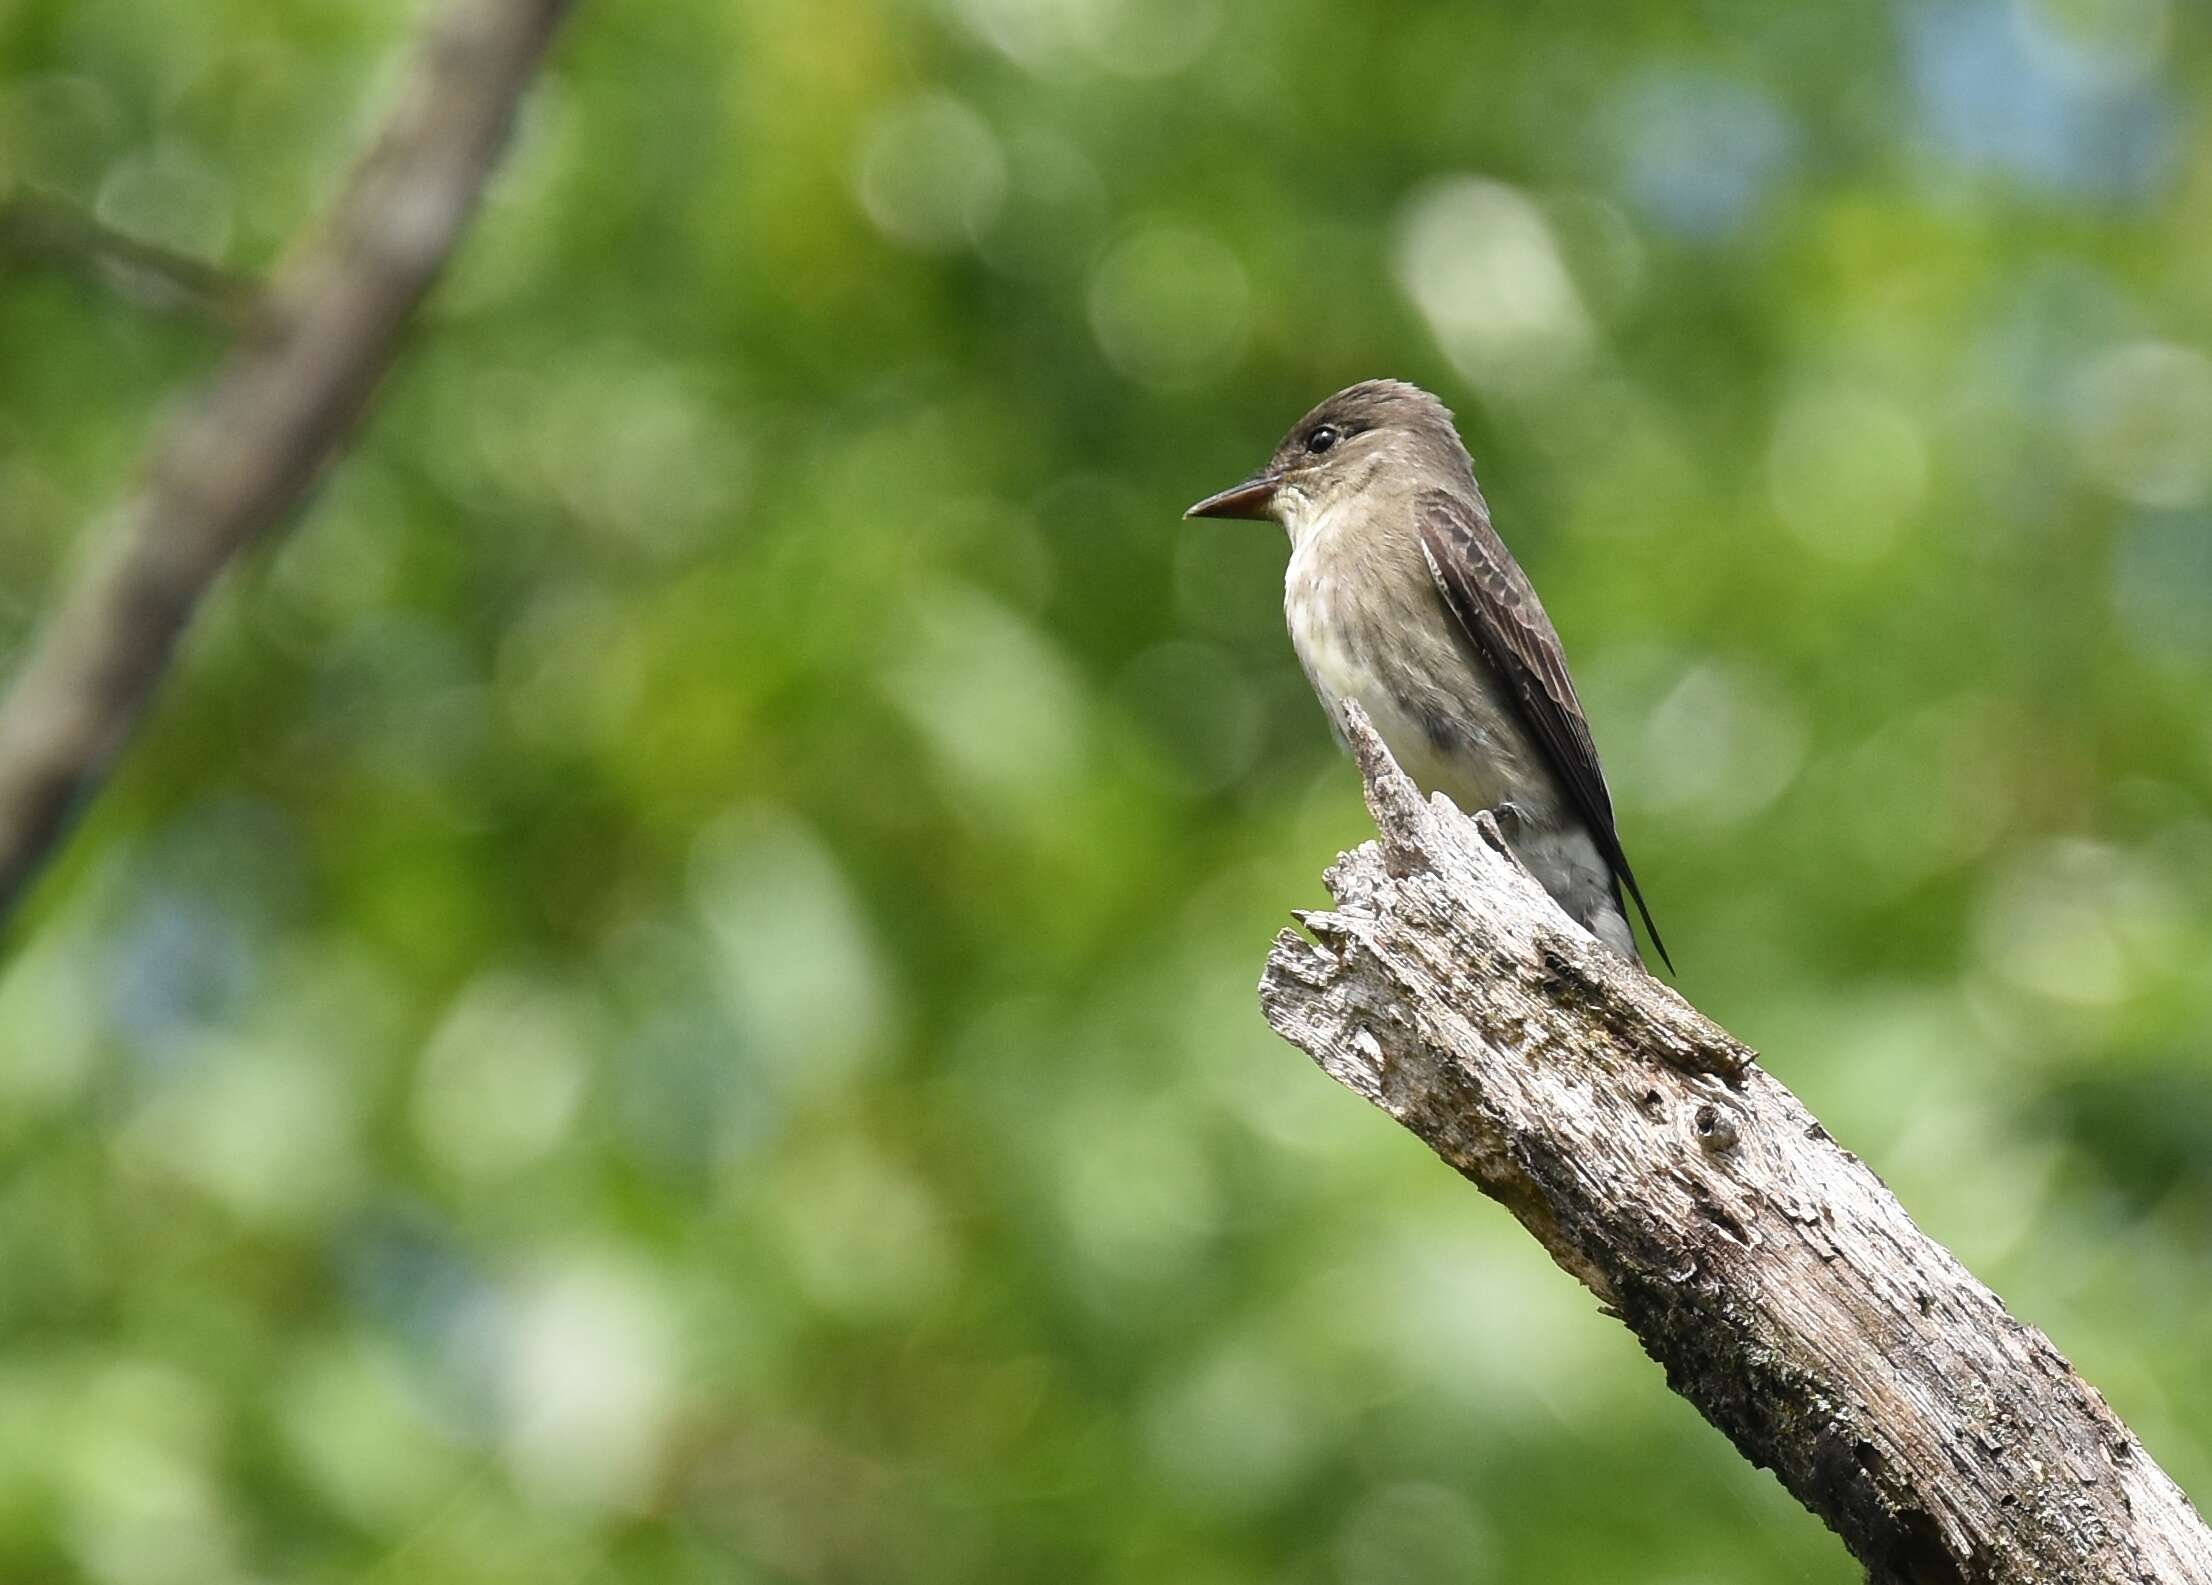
(1252, 498)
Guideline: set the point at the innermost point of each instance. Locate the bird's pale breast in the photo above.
(1364, 631)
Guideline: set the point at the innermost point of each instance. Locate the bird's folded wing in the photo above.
(1498, 609)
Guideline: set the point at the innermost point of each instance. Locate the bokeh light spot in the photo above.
(1168, 306)
(931, 174)
(2141, 418)
(169, 194)
(1479, 260)
(590, 1357)
(800, 972)
(1846, 470)
(503, 1076)
(2103, 45)
(1721, 745)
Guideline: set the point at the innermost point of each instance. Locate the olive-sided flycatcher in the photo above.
(1401, 596)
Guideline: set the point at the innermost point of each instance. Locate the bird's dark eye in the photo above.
(1323, 437)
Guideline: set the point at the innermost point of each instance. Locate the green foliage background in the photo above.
(668, 993)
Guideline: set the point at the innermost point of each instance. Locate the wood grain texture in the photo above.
(1766, 1268)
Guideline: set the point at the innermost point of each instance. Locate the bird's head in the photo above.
(1338, 449)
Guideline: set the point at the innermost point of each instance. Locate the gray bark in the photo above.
(1767, 1269)
(245, 454)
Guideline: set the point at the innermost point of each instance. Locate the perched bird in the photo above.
(1400, 596)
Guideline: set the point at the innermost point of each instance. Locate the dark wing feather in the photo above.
(1499, 611)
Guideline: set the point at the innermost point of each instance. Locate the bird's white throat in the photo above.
(1304, 519)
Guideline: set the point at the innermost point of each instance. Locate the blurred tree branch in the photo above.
(1768, 1270)
(46, 229)
(245, 454)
